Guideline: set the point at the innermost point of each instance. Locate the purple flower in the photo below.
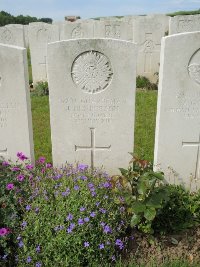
(80, 221)
(24, 224)
(10, 186)
(38, 248)
(86, 244)
(119, 243)
(122, 209)
(4, 231)
(91, 185)
(97, 204)
(70, 217)
(29, 167)
(113, 258)
(28, 207)
(69, 230)
(107, 185)
(38, 264)
(86, 219)
(66, 193)
(92, 214)
(20, 244)
(37, 210)
(82, 208)
(4, 257)
(15, 168)
(102, 210)
(5, 163)
(48, 165)
(107, 229)
(41, 160)
(83, 178)
(82, 167)
(101, 246)
(76, 187)
(20, 177)
(93, 193)
(28, 260)
(21, 156)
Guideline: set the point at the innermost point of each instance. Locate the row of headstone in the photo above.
(92, 93)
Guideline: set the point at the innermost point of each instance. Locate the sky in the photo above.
(58, 9)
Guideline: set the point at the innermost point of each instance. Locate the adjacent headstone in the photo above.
(15, 111)
(26, 36)
(187, 23)
(39, 35)
(177, 141)
(76, 30)
(113, 29)
(12, 34)
(92, 98)
(147, 33)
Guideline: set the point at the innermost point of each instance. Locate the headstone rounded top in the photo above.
(92, 72)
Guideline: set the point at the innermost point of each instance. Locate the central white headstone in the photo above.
(92, 97)
(177, 143)
(15, 110)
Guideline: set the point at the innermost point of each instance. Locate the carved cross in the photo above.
(92, 148)
(196, 144)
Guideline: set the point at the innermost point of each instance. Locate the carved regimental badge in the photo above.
(194, 67)
(7, 36)
(92, 72)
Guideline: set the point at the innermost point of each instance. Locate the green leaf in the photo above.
(135, 220)
(150, 214)
(123, 171)
(138, 207)
(142, 187)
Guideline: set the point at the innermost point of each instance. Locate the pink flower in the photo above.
(29, 167)
(4, 231)
(10, 186)
(20, 177)
(15, 168)
(41, 160)
(21, 156)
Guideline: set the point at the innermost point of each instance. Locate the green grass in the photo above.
(145, 118)
(144, 125)
(41, 127)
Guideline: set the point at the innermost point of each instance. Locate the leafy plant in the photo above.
(144, 83)
(181, 211)
(145, 193)
(71, 219)
(41, 89)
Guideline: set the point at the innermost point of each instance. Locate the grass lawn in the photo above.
(144, 125)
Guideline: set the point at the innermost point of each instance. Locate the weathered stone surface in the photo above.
(92, 98)
(15, 111)
(147, 33)
(39, 35)
(12, 34)
(76, 30)
(177, 140)
(115, 29)
(26, 36)
(188, 23)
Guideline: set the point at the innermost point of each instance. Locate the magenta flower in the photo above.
(20, 177)
(15, 168)
(21, 156)
(5, 163)
(41, 160)
(10, 186)
(48, 165)
(29, 167)
(4, 231)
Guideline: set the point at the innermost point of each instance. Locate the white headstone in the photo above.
(92, 98)
(15, 110)
(177, 140)
(113, 29)
(12, 34)
(187, 23)
(147, 33)
(76, 30)
(26, 36)
(39, 35)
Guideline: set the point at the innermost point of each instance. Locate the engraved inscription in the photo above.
(7, 36)
(194, 67)
(89, 110)
(196, 144)
(92, 72)
(44, 63)
(112, 31)
(77, 32)
(92, 148)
